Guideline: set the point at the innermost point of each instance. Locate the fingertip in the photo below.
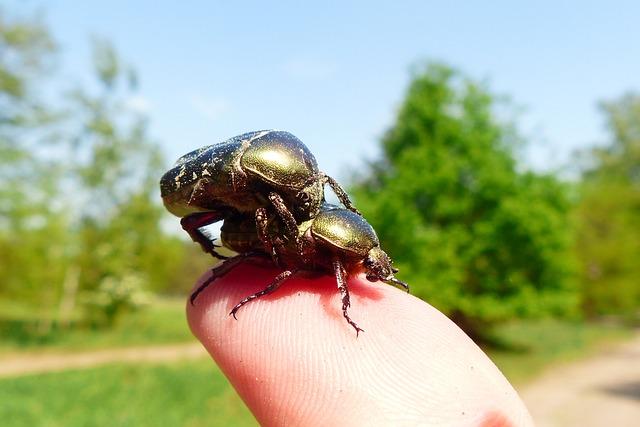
(294, 359)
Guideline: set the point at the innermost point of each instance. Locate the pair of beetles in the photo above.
(267, 189)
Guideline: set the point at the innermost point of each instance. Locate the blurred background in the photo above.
(495, 149)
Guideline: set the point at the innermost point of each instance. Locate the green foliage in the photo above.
(32, 230)
(472, 234)
(608, 215)
(79, 204)
(115, 172)
(107, 63)
(26, 52)
(115, 297)
(21, 329)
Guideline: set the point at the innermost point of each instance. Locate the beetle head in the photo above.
(378, 266)
(309, 199)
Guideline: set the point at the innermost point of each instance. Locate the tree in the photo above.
(115, 167)
(79, 203)
(32, 225)
(471, 234)
(608, 215)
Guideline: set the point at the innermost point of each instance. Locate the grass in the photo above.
(523, 349)
(163, 322)
(179, 394)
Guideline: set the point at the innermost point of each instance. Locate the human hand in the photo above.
(295, 361)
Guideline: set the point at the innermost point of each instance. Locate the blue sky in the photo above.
(334, 73)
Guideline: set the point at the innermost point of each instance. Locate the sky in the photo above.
(334, 73)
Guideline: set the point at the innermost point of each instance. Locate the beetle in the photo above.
(266, 168)
(336, 241)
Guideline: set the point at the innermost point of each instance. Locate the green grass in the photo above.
(523, 349)
(179, 394)
(162, 322)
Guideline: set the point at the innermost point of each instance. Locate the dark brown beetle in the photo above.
(263, 169)
(336, 241)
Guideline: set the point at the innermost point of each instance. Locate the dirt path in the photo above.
(32, 364)
(600, 391)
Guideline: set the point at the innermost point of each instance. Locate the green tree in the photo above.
(114, 169)
(470, 232)
(608, 215)
(79, 203)
(32, 225)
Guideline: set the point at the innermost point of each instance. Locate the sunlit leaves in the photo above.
(471, 233)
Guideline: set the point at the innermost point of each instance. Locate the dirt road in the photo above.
(600, 391)
(31, 364)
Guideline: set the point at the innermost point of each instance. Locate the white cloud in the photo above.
(210, 108)
(308, 68)
(138, 104)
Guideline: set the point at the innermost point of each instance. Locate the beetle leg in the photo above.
(261, 228)
(192, 223)
(287, 217)
(340, 193)
(222, 269)
(338, 269)
(275, 284)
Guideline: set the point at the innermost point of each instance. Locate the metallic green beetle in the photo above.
(336, 241)
(267, 168)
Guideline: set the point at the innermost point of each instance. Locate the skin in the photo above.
(295, 361)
